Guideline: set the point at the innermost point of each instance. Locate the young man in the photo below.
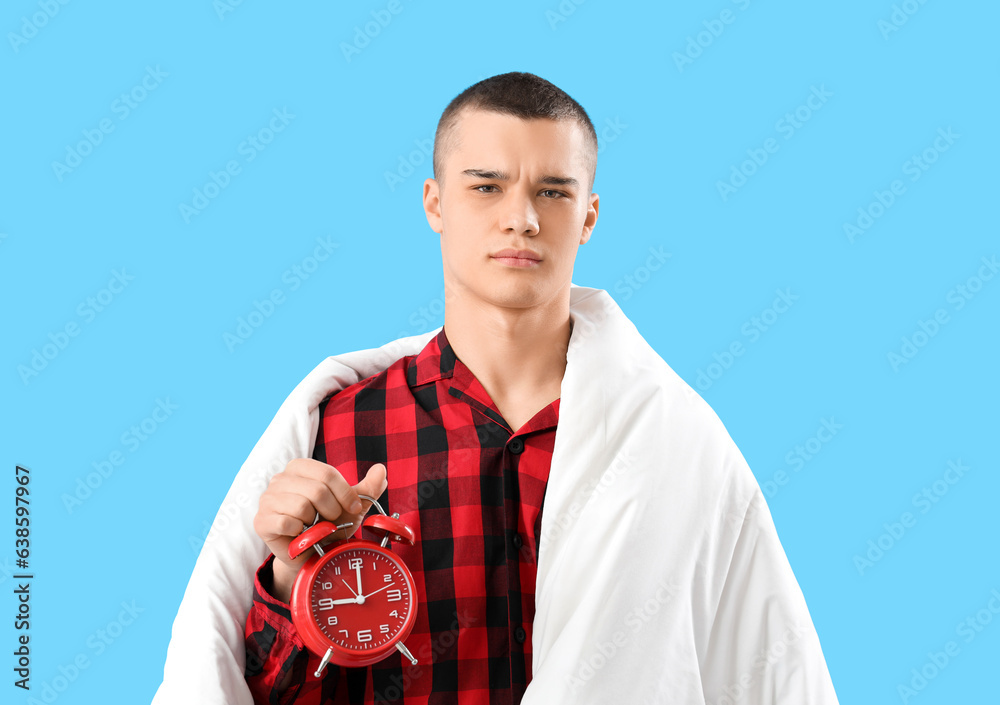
(512, 201)
(586, 529)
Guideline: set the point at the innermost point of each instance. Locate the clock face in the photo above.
(361, 599)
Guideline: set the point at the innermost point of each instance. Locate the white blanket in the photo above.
(660, 578)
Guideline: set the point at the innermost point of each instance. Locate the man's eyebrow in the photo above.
(495, 175)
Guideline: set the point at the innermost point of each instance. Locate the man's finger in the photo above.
(275, 526)
(346, 495)
(374, 483)
(303, 497)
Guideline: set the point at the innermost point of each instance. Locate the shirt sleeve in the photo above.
(274, 648)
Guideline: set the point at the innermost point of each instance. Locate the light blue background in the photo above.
(135, 537)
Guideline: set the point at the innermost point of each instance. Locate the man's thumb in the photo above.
(375, 481)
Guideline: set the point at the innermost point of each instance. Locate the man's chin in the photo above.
(520, 295)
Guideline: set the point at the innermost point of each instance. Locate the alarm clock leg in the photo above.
(406, 652)
(322, 664)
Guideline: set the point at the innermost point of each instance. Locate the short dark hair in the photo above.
(522, 95)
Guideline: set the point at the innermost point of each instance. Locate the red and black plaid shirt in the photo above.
(472, 490)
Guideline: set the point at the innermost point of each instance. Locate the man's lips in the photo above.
(517, 258)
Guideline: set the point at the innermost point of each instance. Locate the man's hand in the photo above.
(291, 500)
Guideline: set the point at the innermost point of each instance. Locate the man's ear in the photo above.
(432, 205)
(591, 220)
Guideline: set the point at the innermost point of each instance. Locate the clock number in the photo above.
(395, 614)
(384, 628)
(327, 586)
(353, 563)
(346, 633)
(332, 621)
(394, 595)
(326, 603)
(387, 578)
(365, 635)
(337, 571)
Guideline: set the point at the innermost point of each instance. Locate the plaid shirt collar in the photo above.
(437, 361)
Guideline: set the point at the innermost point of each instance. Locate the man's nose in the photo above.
(519, 214)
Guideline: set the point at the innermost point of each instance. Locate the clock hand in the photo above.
(359, 577)
(350, 588)
(379, 590)
(346, 601)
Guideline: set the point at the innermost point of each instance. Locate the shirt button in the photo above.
(520, 635)
(517, 541)
(516, 445)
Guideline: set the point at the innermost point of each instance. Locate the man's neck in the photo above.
(518, 355)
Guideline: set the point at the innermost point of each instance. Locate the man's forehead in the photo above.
(474, 141)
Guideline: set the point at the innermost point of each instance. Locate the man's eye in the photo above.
(549, 193)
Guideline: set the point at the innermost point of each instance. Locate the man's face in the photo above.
(505, 187)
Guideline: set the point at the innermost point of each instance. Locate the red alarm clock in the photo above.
(353, 602)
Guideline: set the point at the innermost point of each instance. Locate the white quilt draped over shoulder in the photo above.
(661, 578)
